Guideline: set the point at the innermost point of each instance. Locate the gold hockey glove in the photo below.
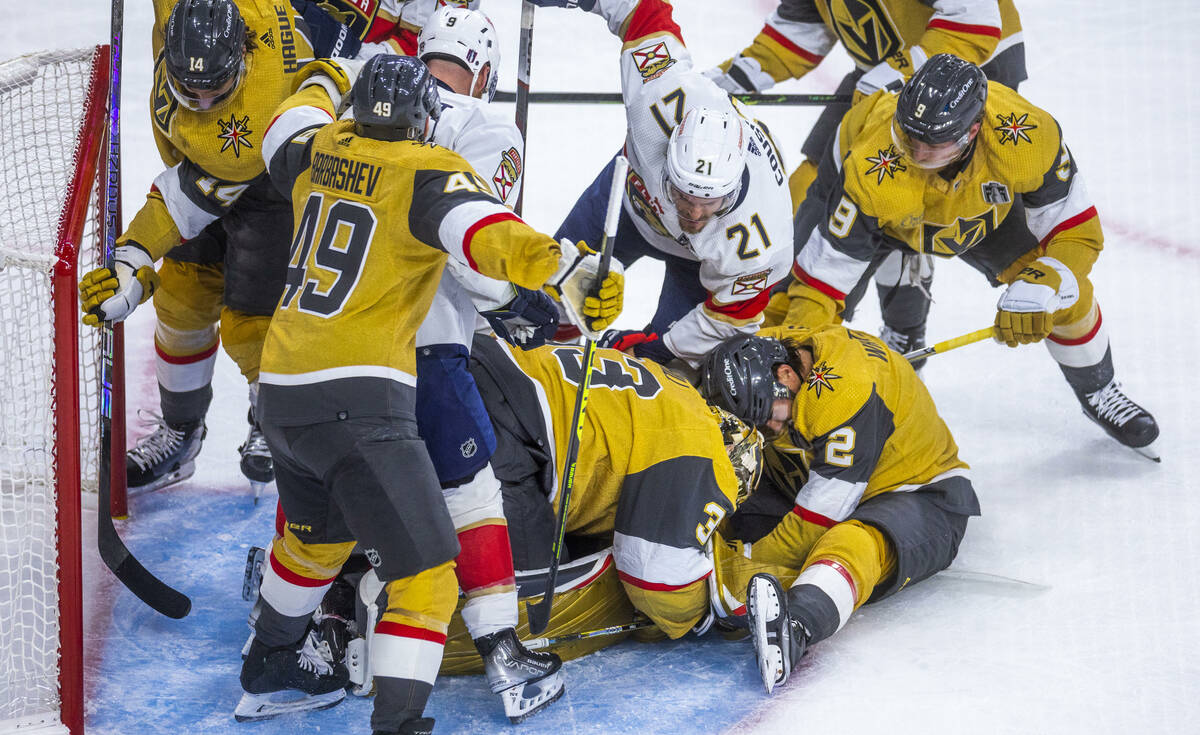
(335, 76)
(112, 296)
(1025, 313)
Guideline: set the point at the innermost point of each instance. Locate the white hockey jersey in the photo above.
(742, 253)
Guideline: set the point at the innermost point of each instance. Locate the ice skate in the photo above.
(905, 341)
(1124, 420)
(289, 679)
(257, 465)
(779, 641)
(527, 681)
(164, 457)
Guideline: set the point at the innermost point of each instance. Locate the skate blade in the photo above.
(1150, 451)
(526, 700)
(179, 474)
(763, 606)
(256, 707)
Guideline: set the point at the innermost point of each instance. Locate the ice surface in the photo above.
(1106, 639)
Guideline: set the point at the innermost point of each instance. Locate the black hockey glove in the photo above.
(527, 321)
(330, 36)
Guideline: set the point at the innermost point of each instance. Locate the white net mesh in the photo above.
(42, 99)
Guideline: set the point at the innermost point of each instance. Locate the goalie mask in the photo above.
(744, 445)
(467, 38)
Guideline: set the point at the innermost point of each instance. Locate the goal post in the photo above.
(53, 109)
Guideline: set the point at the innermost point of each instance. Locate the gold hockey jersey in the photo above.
(881, 200)
(214, 155)
(374, 223)
(869, 426)
(800, 33)
(652, 472)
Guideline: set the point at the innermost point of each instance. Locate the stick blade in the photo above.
(138, 580)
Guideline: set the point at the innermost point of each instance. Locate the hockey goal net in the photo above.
(53, 151)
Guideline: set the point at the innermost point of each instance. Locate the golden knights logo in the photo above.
(887, 163)
(866, 29)
(821, 378)
(163, 102)
(960, 236)
(507, 173)
(235, 133)
(652, 60)
(1012, 128)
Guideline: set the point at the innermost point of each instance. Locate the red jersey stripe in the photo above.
(1068, 223)
(821, 286)
(386, 627)
(949, 25)
(491, 219)
(655, 586)
(787, 43)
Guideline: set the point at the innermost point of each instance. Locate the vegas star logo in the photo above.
(1012, 128)
(236, 134)
(820, 378)
(887, 163)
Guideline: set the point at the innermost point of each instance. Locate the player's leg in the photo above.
(187, 306)
(903, 281)
(454, 423)
(242, 335)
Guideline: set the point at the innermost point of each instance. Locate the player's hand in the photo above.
(108, 296)
(327, 30)
(646, 345)
(527, 321)
(740, 75)
(891, 73)
(335, 76)
(1025, 313)
(583, 4)
(588, 305)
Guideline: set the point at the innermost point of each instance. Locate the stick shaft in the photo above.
(950, 344)
(537, 643)
(615, 97)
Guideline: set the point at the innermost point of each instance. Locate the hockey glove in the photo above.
(740, 75)
(890, 73)
(111, 296)
(638, 343)
(335, 76)
(329, 35)
(590, 306)
(1026, 310)
(582, 4)
(527, 321)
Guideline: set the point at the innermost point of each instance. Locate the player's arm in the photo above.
(969, 29)
(1061, 215)
(665, 516)
(843, 459)
(793, 41)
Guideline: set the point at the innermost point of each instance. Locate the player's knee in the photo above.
(425, 599)
(862, 549)
(189, 295)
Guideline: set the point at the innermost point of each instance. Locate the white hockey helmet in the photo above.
(706, 157)
(465, 36)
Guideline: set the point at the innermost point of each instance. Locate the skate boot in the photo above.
(419, 726)
(1124, 420)
(164, 457)
(257, 465)
(289, 679)
(527, 681)
(779, 641)
(905, 341)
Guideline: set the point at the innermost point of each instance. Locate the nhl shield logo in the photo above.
(373, 557)
(468, 448)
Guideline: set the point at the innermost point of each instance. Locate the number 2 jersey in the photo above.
(742, 253)
(652, 471)
(374, 223)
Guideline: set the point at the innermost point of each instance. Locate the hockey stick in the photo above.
(611, 97)
(113, 551)
(537, 643)
(950, 344)
(524, 61)
(539, 614)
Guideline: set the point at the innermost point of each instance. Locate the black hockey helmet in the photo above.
(394, 97)
(938, 107)
(204, 51)
(739, 376)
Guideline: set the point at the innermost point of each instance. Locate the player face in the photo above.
(781, 415)
(932, 156)
(695, 212)
(202, 100)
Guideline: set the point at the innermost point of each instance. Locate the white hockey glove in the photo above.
(891, 73)
(108, 296)
(335, 76)
(744, 76)
(589, 306)
(1026, 310)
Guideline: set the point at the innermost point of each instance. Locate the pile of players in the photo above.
(390, 313)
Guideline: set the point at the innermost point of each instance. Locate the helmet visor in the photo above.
(202, 100)
(929, 155)
(698, 210)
